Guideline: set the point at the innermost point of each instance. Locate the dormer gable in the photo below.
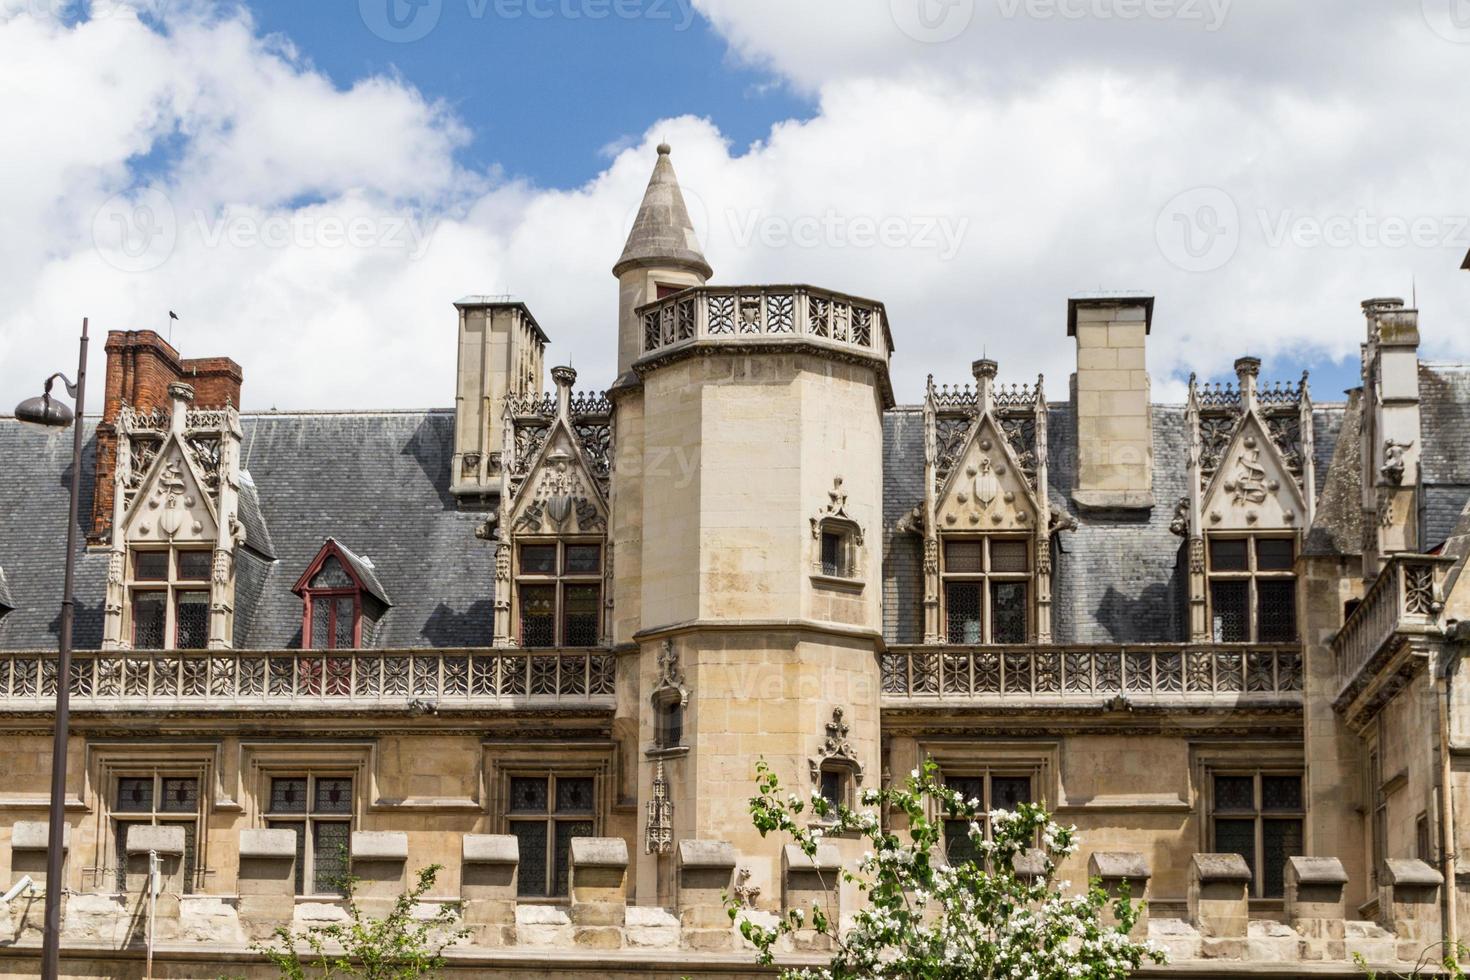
(172, 505)
(985, 490)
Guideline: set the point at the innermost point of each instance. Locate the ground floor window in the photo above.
(545, 811)
(994, 789)
(318, 808)
(155, 799)
(1258, 815)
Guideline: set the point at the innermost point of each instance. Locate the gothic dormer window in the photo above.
(559, 588)
(1252, 589)
(168, 598)
(987, 588)
(341, 597)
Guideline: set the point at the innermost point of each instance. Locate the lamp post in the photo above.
(43, 411)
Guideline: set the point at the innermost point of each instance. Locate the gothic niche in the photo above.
(670, 698)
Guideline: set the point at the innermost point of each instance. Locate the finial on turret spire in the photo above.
(665, 149)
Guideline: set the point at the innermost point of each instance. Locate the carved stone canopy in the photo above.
(670, 683)
(836, 749)
(986, 490)
(1253, 487)
(835, 512)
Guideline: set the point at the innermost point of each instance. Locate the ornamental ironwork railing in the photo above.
(1406, 599)
(1047, 673)
(326, 679)
(743, 314)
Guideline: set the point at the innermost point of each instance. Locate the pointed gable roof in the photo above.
(1253, 488)
(361, 569)
(662, 233)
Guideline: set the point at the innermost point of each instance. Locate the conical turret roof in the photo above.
(662, 234)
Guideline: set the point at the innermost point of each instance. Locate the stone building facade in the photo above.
(540, 639)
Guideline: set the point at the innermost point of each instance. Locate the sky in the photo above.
(310, 184)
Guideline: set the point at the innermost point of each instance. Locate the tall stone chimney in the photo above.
(501, 347)
(1110, 395)
(1390, 432)
(141, 367)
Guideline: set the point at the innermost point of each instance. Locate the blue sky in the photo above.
(1221, 155)
(544, 96)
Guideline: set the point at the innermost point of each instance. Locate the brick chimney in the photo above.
(1110, 394)
(140, 367)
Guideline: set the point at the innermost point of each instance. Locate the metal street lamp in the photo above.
(43, 411)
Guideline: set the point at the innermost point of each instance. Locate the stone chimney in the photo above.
(1110, 394)
(501, 348)
(1390, 432)
(141, 369)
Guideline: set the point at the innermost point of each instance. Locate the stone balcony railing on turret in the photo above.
(768, 316)
(1002, 677)
(313, 680)
(1402, 605)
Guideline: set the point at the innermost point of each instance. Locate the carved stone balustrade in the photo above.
(1132, 675)
(312, 680)
(1381, 642)
(769, 316)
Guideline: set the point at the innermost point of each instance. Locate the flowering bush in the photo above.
(924, 917)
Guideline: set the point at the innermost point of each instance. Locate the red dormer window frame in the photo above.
(308, 594)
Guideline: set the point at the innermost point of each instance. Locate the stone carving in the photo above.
(670, 671)
(836, 748)
(1180, 523)
(1060, 520)
(1419, 597)
(659, 834)
(1249, 485)
(1393, 460)
(746, 894)
(836, 510)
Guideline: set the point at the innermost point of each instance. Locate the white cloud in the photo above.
(319, 235)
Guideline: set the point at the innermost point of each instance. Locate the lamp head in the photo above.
(45, 412)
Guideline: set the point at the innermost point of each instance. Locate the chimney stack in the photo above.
(142, 370)
(1110, 395)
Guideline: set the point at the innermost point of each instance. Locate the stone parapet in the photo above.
(267, 881)
(706, 876)
(1409, 904)
(808, 882)
(1219, 891)
(1120, 873)
(1315, 906)
(380, 864)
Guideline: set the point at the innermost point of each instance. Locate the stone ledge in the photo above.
(1113, 499)
(1221, 867)
(268, 844)
(717, 854)
(1411, 872)
(492, 849)
(368, 845)
(827, 858)
(165, 840)
(599, 852)
(35, 835)
(1107, 865)
(1318, 870)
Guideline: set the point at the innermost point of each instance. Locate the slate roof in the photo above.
(1118, 578)
(378, 482)
(1444, 426)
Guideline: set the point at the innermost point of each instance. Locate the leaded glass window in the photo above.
(1259, 815)
(156, 799)
(987, 590)
(319, 810)
(1252, 589)
(990, 790)
(559, 593)
(333, 604)
(544, 813)
(168, 607)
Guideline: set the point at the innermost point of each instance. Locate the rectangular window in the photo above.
(544, 813)
(538, 615)
(191, 614)
(150, 566)
(1252, 590)
(560, 608)
(1259, 815)
(987, 590)
(156, 799)
(319, 810)
(832, 553)
(993, 790)
(194, 566)
(150, 620)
